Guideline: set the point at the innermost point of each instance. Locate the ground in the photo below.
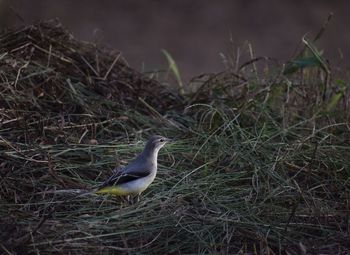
(260, 163)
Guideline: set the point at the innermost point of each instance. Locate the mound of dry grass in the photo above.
(45, 71)
(261, 164)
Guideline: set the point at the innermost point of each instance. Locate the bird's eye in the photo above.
(161, 140)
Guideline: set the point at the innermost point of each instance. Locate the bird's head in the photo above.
(156, 142)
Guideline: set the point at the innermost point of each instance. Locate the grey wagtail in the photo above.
(130, 180)
(138, 174)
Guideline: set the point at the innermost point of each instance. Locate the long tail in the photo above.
(70, 191)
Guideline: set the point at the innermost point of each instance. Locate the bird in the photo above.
(135, 177)
(132, 179)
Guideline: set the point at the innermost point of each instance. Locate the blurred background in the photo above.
(194, 32)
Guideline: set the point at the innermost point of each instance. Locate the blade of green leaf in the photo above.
(175, 70)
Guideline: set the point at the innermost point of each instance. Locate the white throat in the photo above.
(154, 156)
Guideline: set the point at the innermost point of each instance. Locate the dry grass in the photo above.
(261, 163)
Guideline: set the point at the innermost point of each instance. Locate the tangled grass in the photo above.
(261, 163)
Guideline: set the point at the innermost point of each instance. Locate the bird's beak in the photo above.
(168, 140)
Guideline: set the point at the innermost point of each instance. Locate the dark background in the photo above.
(194, 32)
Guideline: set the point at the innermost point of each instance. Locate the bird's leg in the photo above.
(125, 200)
(131, 200)
(128, 199)
(138, 197)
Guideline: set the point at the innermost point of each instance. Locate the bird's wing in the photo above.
(122, 175)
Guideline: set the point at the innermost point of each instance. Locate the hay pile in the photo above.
(58, 93)
(47, 73)
(261, 164)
